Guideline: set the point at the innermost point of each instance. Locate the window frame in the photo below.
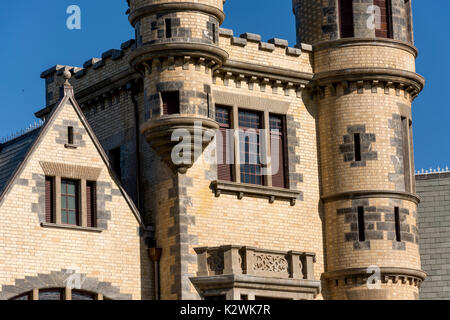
(265, 125)
(65, 195)
(81, 202)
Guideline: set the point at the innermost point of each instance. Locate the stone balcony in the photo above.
(235, 272)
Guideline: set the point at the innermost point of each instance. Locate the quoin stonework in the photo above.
(101, 201)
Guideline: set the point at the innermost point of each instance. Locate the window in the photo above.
(49, 199)
(407, 147)
(224, 167)
(277, 136)
(69, 202)
(82, 295)
(51, 294)
(214, 33)
(70, 135)
(64, 206)
(115, 162)
(357, 138)
(171, 102)
(361, 224)
(384, 30)
(250, 145)
(168, 28)
(346, 18)
(398, 234)
(60, 294)
(91, 191)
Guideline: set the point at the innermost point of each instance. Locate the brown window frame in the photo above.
(250, 120)
(66, 195)
(279, 179)
(50, 199)
(224, 118)
(91, 205)
(386, 19)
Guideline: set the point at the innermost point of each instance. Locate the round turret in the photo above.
(364, 84)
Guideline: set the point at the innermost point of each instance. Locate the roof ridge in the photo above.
(17, 135)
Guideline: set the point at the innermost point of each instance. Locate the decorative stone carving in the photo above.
(270, 263)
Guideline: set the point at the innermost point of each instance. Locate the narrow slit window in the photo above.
(357, 138)
(398, 234)
(407, 168)
(214, 33)
(361, 224)
(168, 28)
(346, 18)
(277, 138)
(70, 135)
(171, 102)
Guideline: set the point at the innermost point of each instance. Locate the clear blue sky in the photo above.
(34, 37)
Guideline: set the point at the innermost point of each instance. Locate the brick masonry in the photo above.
(434, 229)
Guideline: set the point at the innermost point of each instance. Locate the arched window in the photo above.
(346, 18)
(59, 294)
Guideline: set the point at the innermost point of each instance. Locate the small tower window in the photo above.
(115, 159)
(70, 135)
(171, 102)
(357, 138)
(398, 234)
(384, 22)
(214, 33)
(346, 18)
(168, 28)
(361, 224)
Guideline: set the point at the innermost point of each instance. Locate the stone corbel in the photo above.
(375, 84)
(200, 61)
(186, 61)
(275, 85)
(171, 63)
(287, 89)
(360, 86)
(399, 87)
(239, 79)
(226, 78)
(251, 82)
(299, 90)
(332, 87)
(388, 87)
(264, 83)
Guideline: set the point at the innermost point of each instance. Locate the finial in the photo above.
(67, 76)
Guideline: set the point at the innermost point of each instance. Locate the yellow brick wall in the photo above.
(116, 255)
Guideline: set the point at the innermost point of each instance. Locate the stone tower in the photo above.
(177, 50)
(364, 84)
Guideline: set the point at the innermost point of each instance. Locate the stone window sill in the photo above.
(70, 227)
(70, 146)
(241, 190)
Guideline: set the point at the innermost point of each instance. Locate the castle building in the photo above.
(312, 194)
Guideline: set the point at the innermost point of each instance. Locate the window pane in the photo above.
(249, 145)
(71, 204)
(71, 188)
(72, 218)
(80, 295)
(50, 295)
(64, 217)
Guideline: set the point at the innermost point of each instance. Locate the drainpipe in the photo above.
(155, 256)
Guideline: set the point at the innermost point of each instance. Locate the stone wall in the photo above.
(434, 229)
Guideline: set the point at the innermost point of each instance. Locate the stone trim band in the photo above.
(175, 6)
(351, 195)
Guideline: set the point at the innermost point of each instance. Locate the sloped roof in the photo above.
(12, 154)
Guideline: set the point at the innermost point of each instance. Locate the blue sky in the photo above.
(34, 37)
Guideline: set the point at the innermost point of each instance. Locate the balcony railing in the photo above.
(227, 260)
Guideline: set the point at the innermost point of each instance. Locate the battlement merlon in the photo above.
(97, 78)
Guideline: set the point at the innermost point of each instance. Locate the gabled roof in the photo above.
(12, 154)
(17, 152)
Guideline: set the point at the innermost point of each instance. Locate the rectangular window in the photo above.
(278, 154)
(346, 18)
(384, 30)
(171, 102)
(406, 153)
(250, 146)
(49, 200)
(224, 169)
(70, 135)
(214, 33)
(91, 207)
(168, 28)
(115, 162)
(69, 202)
(357, 138)
(361, 224)
(398, 234)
